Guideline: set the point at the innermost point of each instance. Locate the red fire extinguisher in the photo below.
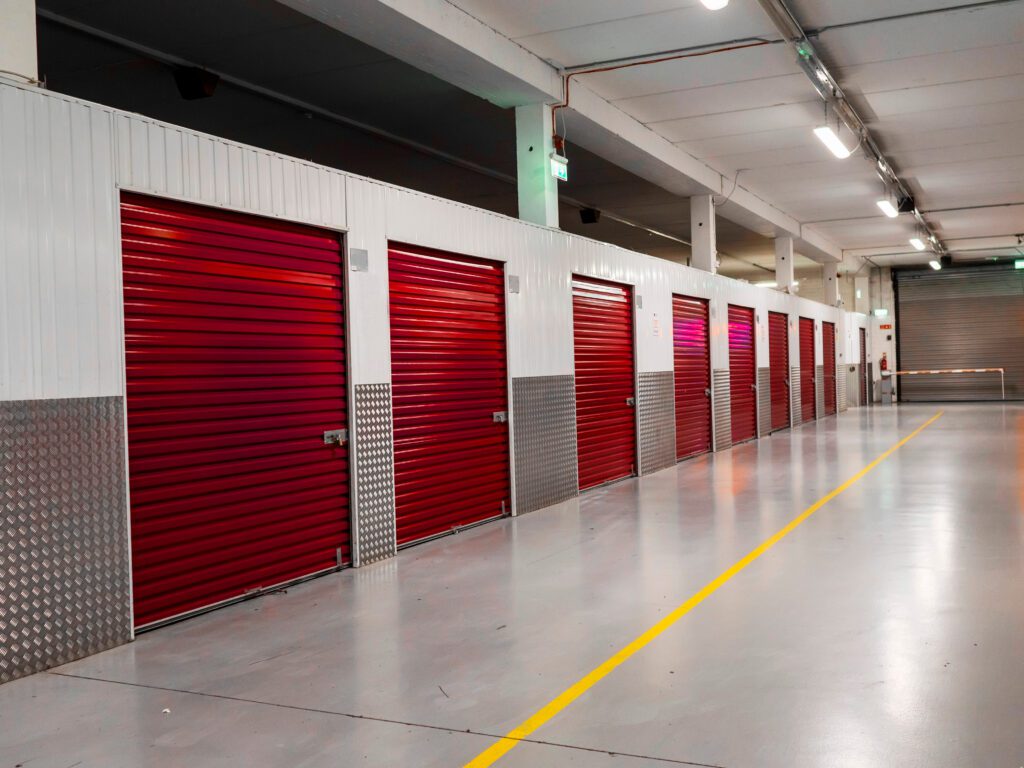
(883, 364)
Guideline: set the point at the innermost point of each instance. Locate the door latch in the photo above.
(707, 392)
(500, 417)
(335, 437)
(631, 402)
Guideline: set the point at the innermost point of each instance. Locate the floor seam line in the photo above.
(372, 718)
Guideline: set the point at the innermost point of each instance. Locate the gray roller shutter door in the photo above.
(961, 318)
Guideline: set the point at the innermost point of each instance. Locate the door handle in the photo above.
(335, 437)
(631, 402)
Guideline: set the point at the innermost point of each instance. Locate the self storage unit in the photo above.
(449, 391)
(602, 316)
(691, 355)
(808, 398)
(742, 372)
(778, 363)
(304, 305)
(865, 374)
(828, 347)
(236, 371)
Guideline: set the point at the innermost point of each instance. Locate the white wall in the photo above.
(60, 265)
(62, 162)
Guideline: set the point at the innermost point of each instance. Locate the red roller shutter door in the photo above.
(808, 404)
(828, 347)
(778, 368)
(449, 379)
(742, 372)
(602, 316)
(863, 367)
(692, 358)
(235, 349)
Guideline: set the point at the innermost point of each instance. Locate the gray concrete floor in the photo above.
(887, 630)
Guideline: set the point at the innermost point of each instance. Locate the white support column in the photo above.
(538, 189)
(702, 233)
(831, 279)
(18, 38)
(784, 278)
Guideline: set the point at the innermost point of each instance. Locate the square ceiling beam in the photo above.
(445, 41)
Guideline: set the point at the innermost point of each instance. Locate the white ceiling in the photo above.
(943, 94)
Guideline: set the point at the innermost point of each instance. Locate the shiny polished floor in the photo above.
(886, 630)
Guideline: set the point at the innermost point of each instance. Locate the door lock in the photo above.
(631, 402)
(707, 392)
(335, 437)
(500, 417)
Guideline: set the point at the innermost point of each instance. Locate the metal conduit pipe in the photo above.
(832, 94)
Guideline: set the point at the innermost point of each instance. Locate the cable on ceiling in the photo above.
(567, 76)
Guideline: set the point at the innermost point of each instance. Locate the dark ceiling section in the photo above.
(466, 145)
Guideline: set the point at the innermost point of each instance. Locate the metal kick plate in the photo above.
(335, 437)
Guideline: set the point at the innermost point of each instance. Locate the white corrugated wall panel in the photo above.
(61, 265)
(369, 338)
(59, 259)
(158, 159)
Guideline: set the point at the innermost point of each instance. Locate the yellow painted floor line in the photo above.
(508, 742)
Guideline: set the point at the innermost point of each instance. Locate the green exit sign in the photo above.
(559, 167)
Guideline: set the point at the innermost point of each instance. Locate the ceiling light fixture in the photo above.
(715, 5)
(888, 208)
(935, 265)
(917, 242)
(829, 139)
(767, 284)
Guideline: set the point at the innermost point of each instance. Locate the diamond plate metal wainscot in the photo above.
(723, 409)
(795, 409)
(375, 482)
(544, 440)
(841, 404)
(853, 386)
(64, 578)
(657, 416)
(764, 401)
(819, 390)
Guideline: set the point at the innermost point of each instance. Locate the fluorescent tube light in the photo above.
(767, 284)
(888, 208)
(935, 264)
(829, 139)
(715, 5)
(917, 242)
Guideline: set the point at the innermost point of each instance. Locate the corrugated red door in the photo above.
(828, 353)
(778, 368)
(742, 373)
(602, 318)
(235, 351)
(449, 378)
(692, 358)
(808, 404)
(863, 367)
